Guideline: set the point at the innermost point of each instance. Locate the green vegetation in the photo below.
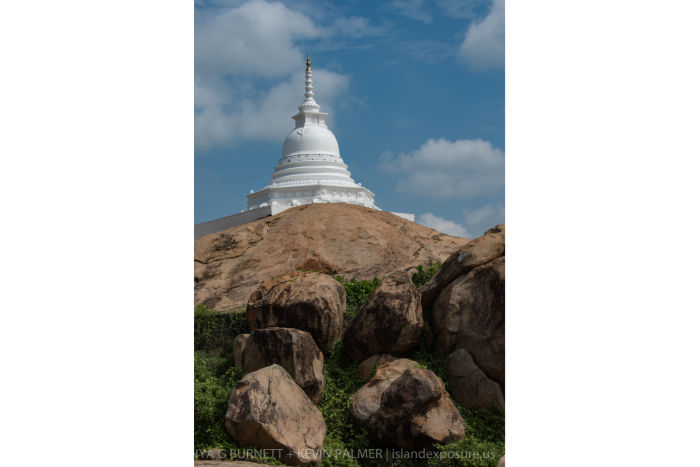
(213, 382)
(216, 376)
(342, 381)
(423, 275)
(356, 293)
(214, 331)
(484, 443)
(426, 357)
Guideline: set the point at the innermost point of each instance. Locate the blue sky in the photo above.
(414, 88)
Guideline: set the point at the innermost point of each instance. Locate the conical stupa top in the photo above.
(309, 101)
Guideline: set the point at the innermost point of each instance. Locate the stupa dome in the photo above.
(311, 139)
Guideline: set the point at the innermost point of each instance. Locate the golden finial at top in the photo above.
(308, 63)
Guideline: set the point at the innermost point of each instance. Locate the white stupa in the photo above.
(310, 171)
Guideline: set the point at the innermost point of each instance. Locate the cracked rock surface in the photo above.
(294, 350)
(268, 410)
(404, 406)
(309, 301)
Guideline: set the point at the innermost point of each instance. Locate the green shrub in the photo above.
(423, 275)
(357, 293)
(214, 331)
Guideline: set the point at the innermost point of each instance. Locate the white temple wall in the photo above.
(217, 225)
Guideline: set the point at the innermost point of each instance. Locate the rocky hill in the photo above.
(350, 240)
(416, 365)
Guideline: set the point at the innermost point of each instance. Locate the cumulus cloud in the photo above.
(442, 225)
(223, 116)
(442, 169)
(254, 38)
(249, 72)
(484, 43)
(476, 221)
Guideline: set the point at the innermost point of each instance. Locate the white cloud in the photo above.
(484, 43)
(478, 221)
(412, 9)
(223, 116)
(443, 225)
(270, 117)
(249, 72)
(447, 169)
(254, 38)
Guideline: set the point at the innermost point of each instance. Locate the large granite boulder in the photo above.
(407, 407)
(309, 301)
(292, 349)
(470, 314)
(267, 410)
(479, 251)
(351, 240)
(390, 322)
(470, 386)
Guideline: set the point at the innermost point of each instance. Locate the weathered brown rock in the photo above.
(309, 301)
(268, 410)
(318, 265)
(479, 251)
(470, 386)
(470, 314)
(502, 462)
(391, 321)
(367, 368)
(358, 242)
(365, 402)
(407, 407)
(239, 344)
(292, 349)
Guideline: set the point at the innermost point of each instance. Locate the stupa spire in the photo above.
(309, 101)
